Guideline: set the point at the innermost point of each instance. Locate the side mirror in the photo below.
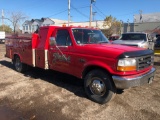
(52, 41)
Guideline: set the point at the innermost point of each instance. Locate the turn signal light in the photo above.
(126, 68)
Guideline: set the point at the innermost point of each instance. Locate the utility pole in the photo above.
(69, 6)
(2, 19)
(128, 26)
(121, 26)
(90, 22)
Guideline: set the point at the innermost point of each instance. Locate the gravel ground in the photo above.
(48, 95)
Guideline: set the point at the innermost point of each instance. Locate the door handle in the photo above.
(52, 48)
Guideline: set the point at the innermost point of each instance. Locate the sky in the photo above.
(80, 9)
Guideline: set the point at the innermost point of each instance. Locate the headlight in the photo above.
(145, 45)
(126, 64)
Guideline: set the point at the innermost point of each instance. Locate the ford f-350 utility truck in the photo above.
(85, 53)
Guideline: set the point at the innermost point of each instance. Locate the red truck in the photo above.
(85, 53)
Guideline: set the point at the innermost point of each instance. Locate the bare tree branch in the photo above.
(16, 19)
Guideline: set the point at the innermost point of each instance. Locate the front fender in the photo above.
(100, 64)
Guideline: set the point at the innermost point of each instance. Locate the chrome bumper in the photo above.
(131, 81)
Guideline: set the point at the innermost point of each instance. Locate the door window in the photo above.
(63, 38)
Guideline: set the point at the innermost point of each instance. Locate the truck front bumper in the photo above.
(124, 82)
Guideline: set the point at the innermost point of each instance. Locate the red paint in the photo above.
(79, 57)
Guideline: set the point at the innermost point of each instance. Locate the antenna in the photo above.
(69, 6)
(140, 12)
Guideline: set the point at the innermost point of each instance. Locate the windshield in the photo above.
(133, 37)
(88, 36)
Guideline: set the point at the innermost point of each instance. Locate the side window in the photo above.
(63, 38)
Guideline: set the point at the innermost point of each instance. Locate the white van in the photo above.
(2, 36)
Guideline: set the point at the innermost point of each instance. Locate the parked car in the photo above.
(158, 35)
(157, 46)
(138, 39)
(157, 43)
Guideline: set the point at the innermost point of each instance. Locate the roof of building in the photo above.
(152, 17)
(58, 21)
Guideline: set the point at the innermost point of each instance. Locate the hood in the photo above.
(105, 50)
(129, 42)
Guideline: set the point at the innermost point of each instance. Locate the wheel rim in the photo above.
(18, 64)
(97, 87)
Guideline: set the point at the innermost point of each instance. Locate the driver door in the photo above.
(59, 54)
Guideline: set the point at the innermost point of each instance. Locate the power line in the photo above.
(116, 15)
(79, 11)
(58, 13)
(128, 13)
(98, 13)
(99, 10)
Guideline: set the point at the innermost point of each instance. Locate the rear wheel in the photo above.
(19, 66)
(98, 86)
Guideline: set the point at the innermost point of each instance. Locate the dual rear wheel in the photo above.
(19, 66)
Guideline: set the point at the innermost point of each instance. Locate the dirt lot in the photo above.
(47, 95)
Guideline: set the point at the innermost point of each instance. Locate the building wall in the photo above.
(127, 27)
(26, 27)
(140, 27)
(147, 26)
(96, 24)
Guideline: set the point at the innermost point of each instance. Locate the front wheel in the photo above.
(98, 86)
(19, 66)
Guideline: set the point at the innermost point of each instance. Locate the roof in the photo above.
(38, 20)
(27, 22)
(78, 27)
(57, 21)
(152, 17)
(135, 33)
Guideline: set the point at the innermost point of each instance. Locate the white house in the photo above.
(31, 26)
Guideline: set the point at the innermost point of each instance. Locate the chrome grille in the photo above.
(144, 62)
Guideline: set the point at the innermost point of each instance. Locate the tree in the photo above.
(15, 18)
(112, 25)
(6, 28)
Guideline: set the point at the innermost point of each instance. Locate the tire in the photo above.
(98, 86)
(19, 66)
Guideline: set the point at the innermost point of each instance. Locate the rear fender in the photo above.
(15, 55)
